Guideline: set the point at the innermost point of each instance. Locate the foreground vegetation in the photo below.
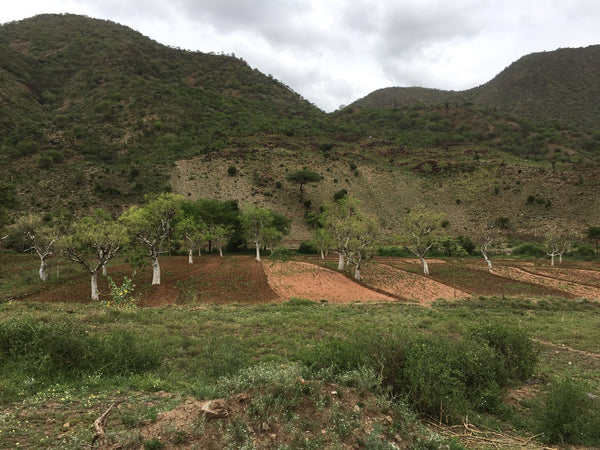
(454, 363)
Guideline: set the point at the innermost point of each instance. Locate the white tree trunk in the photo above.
(425, 266)
(155, 272)
(43, 269)
(552, 259)
(104, 270)
(221, 252)
(191, 256)
(322, 254)
(357, 272)
(94, 284)
(257, 251)
(341, 261)
(487, 260)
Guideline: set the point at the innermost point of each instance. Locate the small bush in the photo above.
(515, 351)
(280, 254)
(529, 249)
(570, 415)
(307, 248)
(231, 171)
(447, 378)
(393, 251)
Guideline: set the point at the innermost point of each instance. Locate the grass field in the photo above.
(488, 371)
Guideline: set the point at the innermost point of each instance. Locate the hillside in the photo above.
(561, 85)
(75, 88)
(94, 114)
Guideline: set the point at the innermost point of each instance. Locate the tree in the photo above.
(322, 240)
(557, 242)
(593, 234)
(483, 240)
(153, 225)
(302, 177)
(41, 237)
(193, 233)
(364, 234)
(97, 234)
(348, 232)
(337, 220)
(419, 232)
(220, 235)
(214, 213)
(263, 226)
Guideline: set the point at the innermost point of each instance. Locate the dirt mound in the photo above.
(324, 414)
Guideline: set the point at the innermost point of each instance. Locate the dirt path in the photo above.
(563, 347)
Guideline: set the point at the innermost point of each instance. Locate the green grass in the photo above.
(194, 351)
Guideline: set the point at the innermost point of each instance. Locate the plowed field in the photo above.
(241, 279)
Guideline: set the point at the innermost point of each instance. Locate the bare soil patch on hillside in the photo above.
(575, 283)
(296, 279)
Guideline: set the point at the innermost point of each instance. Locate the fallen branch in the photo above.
(99, 425)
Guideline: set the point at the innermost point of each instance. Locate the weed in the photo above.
(153, 444)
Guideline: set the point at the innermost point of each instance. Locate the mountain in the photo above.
(101, 89)
(92, 113)
(559, 85)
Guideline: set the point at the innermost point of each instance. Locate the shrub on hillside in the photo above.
(307, 248)
(529, 249)
(514, 349)
(393, 251)
(570, 415)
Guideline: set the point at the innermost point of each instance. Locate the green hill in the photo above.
(561, 85)
(93, 114)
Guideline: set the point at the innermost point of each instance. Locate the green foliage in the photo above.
(514, 350)
(307, 248)
(231, 171)
(393, 251)
(570, 415)
(122, 297)
(280, 254)
(66, 348)
(529, 249)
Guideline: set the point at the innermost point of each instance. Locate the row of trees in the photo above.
(166, 220)
(152, 228)
(342, 228)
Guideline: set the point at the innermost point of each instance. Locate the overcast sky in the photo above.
(333, 52)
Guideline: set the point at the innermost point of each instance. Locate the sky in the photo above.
(333, 52)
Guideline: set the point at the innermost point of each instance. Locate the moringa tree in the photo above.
(557, 241)
(302, 177)
(41, 236)
(419, 230)
(483, 239)
(263, 226)
(93, 242)
(153, 224)
(360, 246)
(347, 231)
(220, 235)
(193, 233)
